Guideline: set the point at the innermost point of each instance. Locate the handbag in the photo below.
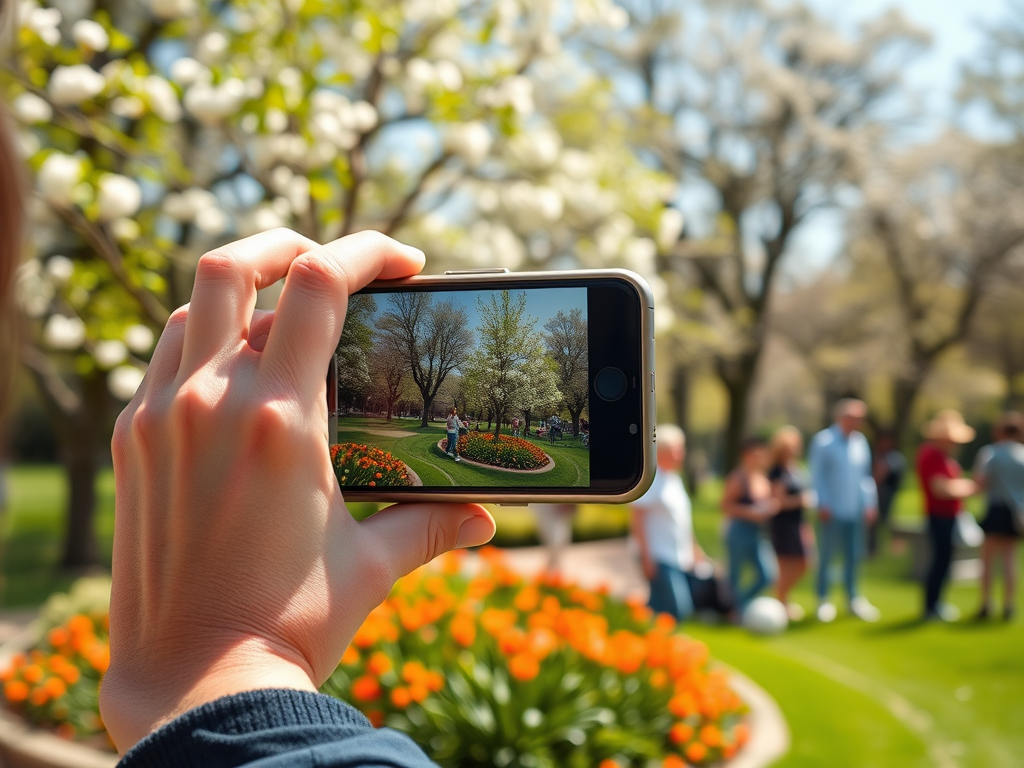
(966, 531)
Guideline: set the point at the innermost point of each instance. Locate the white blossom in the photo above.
(449, 75)
(119, 196)
(471, 141)
(128, 106)
(364, 115)
(139, 338)
(89, 34)
(124, 381)
(110, 352)
(275, 120)
(172, 9)
(31, 109)
(32, 289)
(125, 229)
(42, 21)
(75, 84)
(162, 98)
(670, 227)
(187, 70)
(536, 148)
(211, 221)
(212, 103)
(57, 178)
(60, 268)
(639, 253)
(62, 332)
(211, 47)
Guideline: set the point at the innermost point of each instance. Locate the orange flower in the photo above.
(16, 691)
(65, 731)
(33, 673)
(80, 625)
(70, 673)
(682, 705)
(365, 688)
(58, 636)
(99, 658)
(696, 752)
(673, 761)
(418, 692)
(435, 681)
(39, 696)
(55, 687)
(351, 656)
(541, 641)
(379, 663)
(523, 667)
(680, 733)
(512, 641)
(414, 672)
(659, 678)
(400, 697)
(463, 629)
(376, 718)
(711, 736)
(609, 763)
(496, 621)
(741, 733)
(664, 622)
(527, 599)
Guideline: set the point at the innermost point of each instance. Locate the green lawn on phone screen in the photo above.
(417, 447)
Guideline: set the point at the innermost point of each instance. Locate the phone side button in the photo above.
(513, 504)
(652, 381)
(485, 271)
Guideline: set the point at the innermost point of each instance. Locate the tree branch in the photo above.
(398, 217)
(51, 385)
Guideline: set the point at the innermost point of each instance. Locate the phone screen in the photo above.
(486, 388)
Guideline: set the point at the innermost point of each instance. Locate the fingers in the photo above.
(163, 366)
(224, 294)
(311, 310)
(405, 536)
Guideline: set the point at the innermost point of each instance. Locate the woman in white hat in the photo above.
(944, 491)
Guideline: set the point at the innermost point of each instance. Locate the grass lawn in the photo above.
(417, 447)
(891, 695)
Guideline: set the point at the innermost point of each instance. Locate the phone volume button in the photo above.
(485, 271)
(652, 381)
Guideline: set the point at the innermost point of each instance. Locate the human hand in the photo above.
(871, 515)
(236, 565)
(650, 568)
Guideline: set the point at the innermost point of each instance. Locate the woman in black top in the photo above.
(790, 536)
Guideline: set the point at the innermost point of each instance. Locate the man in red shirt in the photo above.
(944, 491)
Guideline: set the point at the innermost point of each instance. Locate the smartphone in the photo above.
(496, 387)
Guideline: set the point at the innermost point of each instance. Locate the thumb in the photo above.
(406, 536)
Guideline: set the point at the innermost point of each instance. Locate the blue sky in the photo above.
(541, 303)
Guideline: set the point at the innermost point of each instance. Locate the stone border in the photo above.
(769, 733)
(22, 746)
(546, 468)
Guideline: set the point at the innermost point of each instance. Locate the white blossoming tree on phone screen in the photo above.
(154, 132)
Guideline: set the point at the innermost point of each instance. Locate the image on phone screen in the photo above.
(464, 388)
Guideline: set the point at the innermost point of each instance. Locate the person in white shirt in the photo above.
(662, 527)
(452, 426)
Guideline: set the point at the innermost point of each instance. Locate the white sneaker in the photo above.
(795, 612)
(826, 613)
(862, 608)
(458, 459)
(949, 613)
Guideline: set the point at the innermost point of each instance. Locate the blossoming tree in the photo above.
(157, 132)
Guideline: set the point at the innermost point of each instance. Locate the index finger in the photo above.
(311, 311)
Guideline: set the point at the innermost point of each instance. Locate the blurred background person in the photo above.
(662, 527)
(554, 529)
(944, 490)
(747, 503)
(890, 467)
(840, 460)
(999, 471)
(791, 537)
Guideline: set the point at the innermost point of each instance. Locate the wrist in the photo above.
(139, 695)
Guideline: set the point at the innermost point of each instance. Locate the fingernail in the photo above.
(416, 252)
(474, 532)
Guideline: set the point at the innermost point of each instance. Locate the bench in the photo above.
(966, 560)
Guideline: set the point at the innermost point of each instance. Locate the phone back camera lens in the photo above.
(610, 384)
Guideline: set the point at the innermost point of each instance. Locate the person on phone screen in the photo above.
(747, 503)
(662, 529)
(840, 460)
(515, 426)
(452, 427)
(999, 471)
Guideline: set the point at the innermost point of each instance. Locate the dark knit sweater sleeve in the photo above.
(275, 729)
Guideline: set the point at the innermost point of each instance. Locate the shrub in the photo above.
(496, 670)
(356, 464)
(484, 670)
(504, 451)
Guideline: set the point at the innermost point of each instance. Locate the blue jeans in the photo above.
(746, 545)
(847, 536)
(453, 444)
(670, 592)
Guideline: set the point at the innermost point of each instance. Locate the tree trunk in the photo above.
(904, 394)
(738, 378)
(498, 419)
(526, 422)
(81, 439)
(575, 416)
(427, 402)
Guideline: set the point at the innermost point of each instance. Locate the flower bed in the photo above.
(504, 451)
(488, 670)
(498, 670)
(356, 464)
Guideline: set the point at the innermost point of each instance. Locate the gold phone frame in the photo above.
(496, 277)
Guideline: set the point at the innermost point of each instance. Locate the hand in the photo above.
(650, 568)
(236, 565)
(871, 515)
(824, 514)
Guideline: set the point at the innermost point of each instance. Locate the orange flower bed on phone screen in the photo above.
(495, 669)
(504, 451)
(357, 464)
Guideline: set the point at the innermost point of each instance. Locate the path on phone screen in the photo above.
(418, 447)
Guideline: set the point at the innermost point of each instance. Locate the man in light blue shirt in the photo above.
(847, 502)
